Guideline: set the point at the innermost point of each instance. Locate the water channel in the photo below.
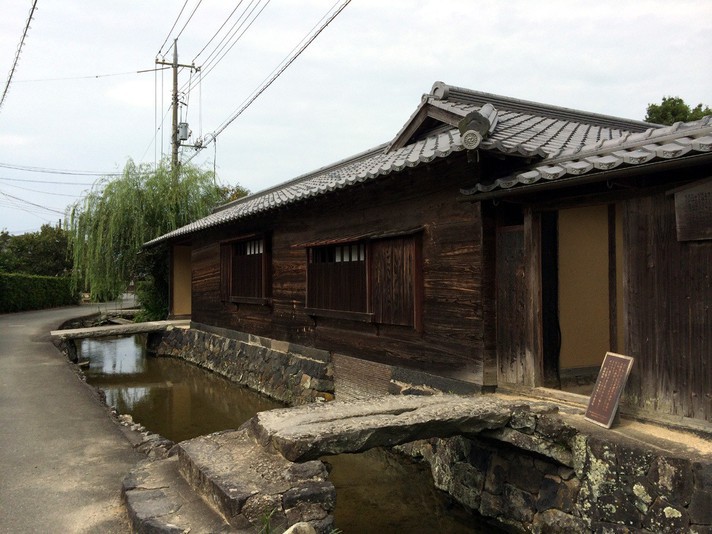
(377, 491)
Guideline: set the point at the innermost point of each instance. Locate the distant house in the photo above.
(495, 241)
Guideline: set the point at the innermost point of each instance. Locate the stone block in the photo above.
(264, 507)
(643, 493)
(523, 475)
(523, 420)
(557, 522)
(496, 475)
(672, 478)
(491, 505)
(554, 428)
(702, 475)
(518, 505)
(700, 508)
(319, 492)
(666, 518)
(617, 507)
(556, 493)
(633, 461)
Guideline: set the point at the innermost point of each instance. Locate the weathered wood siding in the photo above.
(668, 292)
(449, 338)
(512, 296)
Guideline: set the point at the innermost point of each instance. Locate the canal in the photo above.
(377, 491)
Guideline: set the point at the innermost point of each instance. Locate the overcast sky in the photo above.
(353, 87)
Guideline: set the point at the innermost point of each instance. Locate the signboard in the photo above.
(609, 385)
(693, 211)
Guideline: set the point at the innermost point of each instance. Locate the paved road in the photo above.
(61, 458)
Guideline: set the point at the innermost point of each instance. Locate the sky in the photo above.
(76, 101)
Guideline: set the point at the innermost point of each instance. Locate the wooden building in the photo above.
(494, 241)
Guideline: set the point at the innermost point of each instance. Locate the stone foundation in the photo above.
(289, 373)
(541, 474)
(545, 471)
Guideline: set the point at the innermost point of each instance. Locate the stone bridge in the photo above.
(270, 467)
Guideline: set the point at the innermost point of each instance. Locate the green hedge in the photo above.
(19, 292)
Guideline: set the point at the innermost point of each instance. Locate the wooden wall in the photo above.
(450, 340)
(668, 294)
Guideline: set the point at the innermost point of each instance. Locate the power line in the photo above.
(30, 203)
(218, 31)
(43, 192)
(92, 77)
(160, 50)
(231, 39)
(189, 19)
(44, 181)
(17, 54)
(284, 65)
(57, 171)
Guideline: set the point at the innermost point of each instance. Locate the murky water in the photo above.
(377, 491)
(168, 396)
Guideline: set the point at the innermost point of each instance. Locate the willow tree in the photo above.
(110, 225)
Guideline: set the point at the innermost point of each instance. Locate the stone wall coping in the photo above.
(269, 343)
(635, 434)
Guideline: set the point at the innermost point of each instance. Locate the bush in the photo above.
(20, 292)
(153, 301)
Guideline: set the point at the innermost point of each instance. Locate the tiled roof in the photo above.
(521, 128)
(654, 144)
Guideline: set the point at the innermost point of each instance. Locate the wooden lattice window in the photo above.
(244, 270)
(336, 277)
(376, 280)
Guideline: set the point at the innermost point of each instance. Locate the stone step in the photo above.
(159, 500)
(249, 484)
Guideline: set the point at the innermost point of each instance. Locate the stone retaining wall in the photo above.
(289, 373)
(543, 472)
(547, 476)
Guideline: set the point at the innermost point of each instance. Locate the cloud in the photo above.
(135, 93)
(9, 140)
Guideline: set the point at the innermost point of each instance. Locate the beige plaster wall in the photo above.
(583, 286)
(181, 281)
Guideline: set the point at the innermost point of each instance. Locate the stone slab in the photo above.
(159, 500)
(246, 482)
(119, 329)
(309, 432)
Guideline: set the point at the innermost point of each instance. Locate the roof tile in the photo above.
(568, 141)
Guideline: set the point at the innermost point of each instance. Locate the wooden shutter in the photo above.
(393, 276)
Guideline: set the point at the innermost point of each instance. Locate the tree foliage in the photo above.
(43, 253)
(673, 109)
(110, 225)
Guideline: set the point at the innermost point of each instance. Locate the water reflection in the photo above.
(400, 491)
(377, 491)
(168, 396)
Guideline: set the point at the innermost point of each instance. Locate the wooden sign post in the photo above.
(611, 380)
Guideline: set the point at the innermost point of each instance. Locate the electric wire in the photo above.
(43, 192)
(218, 31)
(92, 77)
(24, 180)
(279, 70)
(230, 33)
(230, 39)
(30, 203)
(31, 211)
(17, 54)
(237, 39)
(189, 18)
(57, 171)
(160, 50)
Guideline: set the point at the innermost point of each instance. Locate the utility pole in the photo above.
(175, 142)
